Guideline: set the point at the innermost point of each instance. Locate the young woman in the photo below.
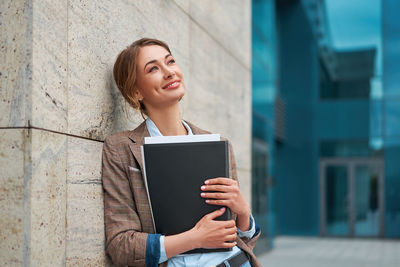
(152, 82)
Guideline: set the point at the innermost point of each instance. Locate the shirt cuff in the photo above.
(249, 233)
(152, 250)
(163, 255)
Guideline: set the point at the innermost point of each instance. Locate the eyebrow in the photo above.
(154, 60)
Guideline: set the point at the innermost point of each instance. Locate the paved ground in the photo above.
(332, 252)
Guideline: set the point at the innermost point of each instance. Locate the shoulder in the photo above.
(117, 144)
(118, 138)
(198, 130)
(125, 137)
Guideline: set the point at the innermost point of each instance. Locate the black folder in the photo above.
(174, 174)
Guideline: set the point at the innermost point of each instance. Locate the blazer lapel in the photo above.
(137, 136)
(195, 129)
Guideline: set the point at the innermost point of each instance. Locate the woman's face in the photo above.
(159, 80)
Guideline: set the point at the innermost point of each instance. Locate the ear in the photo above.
(138, 95)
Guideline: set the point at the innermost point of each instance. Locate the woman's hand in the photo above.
(214, 234)
(228, 194)
(207, 233)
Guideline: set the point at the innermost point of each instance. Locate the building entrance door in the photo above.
(260, 194)
(351, 197)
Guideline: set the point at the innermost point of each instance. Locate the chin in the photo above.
(182, 93)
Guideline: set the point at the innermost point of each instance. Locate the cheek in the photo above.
(178, 72)
(139, 80)
(145, 82)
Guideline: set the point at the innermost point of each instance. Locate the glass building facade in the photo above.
(326, 118)
(263, 101)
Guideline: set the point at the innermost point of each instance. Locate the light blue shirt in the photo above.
(198, 259)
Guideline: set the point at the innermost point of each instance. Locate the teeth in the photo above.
(172, 84)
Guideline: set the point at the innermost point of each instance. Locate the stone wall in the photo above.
(58, 102)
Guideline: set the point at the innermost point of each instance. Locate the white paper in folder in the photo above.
(182, 138)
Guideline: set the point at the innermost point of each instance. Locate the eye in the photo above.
(171, 61)
(153, 68)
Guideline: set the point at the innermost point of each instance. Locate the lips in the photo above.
(172, 85)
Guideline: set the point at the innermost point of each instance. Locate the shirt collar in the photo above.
(154, 131)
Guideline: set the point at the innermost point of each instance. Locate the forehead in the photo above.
(151, 52)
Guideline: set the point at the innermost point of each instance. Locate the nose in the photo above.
(168, 72)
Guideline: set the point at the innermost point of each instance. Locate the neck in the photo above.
(168, 120)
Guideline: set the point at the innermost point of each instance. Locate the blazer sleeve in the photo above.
(251, 242)
(125, 243)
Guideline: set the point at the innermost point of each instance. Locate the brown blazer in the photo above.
(127, 215)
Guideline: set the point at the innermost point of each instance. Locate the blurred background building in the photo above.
(326, 118)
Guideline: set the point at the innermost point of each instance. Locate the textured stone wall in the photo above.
(58, 102)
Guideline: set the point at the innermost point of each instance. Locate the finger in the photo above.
(230, 224)
(220, 202)
(215, 214)
(230, 230)
(227, 227)
(216, 195)
(229, 244)
(230, 237)
(219, 180)
(222, 227)
(218, 188)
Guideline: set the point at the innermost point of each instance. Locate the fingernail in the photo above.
(202, 194)
(222, 209)
(206, 182)
(203, 187)
(207, 201)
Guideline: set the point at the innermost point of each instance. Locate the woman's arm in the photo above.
(229, 195)
(207, 233)
(125, 243)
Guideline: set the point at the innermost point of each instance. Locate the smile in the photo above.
(172, 85)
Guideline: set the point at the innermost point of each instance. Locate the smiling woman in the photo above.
(151, 81)
(159, 82)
